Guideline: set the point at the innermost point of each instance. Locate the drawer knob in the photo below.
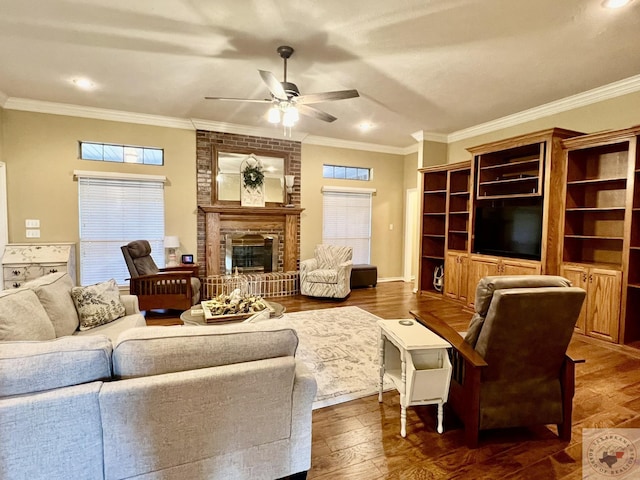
(15, 272)
(16, 285)
(53, 270)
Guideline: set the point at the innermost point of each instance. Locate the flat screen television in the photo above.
(509, 231)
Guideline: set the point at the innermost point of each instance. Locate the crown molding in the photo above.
(599, 94)
(337, 143)
(606, 92)
(411, 149)
(422, 136)
(276, 132)
(40, 106)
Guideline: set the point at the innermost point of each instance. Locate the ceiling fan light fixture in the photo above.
(274, 114)
(290, 117)
(615, 3)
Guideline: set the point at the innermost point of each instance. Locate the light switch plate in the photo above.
(33, 233)
(32, 223)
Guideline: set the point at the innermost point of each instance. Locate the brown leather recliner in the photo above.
(511, 369)
(176, 288)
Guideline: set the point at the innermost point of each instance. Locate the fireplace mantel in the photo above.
(237, 210)
(234, 217)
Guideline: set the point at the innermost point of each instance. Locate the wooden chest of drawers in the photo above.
(24, 262)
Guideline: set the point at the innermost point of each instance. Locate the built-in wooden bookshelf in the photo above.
(525, 172)
(511, 172)
(445, 218)
(433, 228)
(601, 231)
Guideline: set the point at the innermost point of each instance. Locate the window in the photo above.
(121, 153)
(114, 211)
(346, 220)
(346, 173)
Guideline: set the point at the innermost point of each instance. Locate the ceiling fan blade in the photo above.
(315, 113)
(326, 96)
(274, 85)
(227, 99)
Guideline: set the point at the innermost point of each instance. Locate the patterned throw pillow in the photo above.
(97, 304)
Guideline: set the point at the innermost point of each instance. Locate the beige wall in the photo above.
(433, 153)
(388, 202)
(41, 152)
(613, 114)
(1, 132)
(410, 169)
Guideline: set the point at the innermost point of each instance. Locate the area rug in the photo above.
(340, 347)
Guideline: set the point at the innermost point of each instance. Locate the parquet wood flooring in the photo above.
(361, 439)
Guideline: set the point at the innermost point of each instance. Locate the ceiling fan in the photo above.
(286, 98)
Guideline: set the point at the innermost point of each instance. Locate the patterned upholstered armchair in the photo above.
(328, 274)
(175, 288)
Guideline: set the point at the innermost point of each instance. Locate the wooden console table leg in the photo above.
(440, 417)
(403, 398)
(381, 341)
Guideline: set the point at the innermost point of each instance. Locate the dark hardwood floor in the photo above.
(361, 439)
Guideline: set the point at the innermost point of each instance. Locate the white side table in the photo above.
(416, 360)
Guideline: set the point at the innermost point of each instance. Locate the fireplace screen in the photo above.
(251, 253)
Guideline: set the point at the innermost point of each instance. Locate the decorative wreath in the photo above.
(253, 176)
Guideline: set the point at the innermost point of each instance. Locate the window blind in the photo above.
(346, 220)
(112, 213)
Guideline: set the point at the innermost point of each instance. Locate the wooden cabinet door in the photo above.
(517, 267)
(577, 275)
(479, 267)
(603, 299)
(455, 275)
(463, 273)
(451, 275)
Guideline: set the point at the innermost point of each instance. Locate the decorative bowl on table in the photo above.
(234, 307)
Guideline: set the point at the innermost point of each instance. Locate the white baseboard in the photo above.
(391, 279)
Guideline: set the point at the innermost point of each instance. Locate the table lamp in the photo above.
(171, 242)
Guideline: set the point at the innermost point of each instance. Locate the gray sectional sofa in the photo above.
(224, 402)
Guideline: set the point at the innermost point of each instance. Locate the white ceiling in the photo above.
(436, 66)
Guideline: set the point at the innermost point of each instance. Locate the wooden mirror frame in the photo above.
(245, 151)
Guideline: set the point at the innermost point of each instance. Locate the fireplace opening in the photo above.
(251, 253)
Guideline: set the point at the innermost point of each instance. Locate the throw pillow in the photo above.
(22, 317)
(53, 292)
(97, 304)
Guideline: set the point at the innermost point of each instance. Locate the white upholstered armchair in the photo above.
(328, 274)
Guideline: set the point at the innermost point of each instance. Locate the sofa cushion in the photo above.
(22, 317)
(158, 350)
(98, 304)
(112, 330)
(27, 367)
(54, 293)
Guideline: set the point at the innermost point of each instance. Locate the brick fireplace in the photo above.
(217, 220)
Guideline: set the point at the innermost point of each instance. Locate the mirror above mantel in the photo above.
(225, 185)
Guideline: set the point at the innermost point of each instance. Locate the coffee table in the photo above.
(276, 311)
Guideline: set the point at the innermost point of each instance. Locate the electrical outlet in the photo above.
(32, 223)
(391, 226)
(33, 233)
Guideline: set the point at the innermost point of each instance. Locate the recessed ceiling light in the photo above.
(83, 83)
(365, 126)
(615, 3)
